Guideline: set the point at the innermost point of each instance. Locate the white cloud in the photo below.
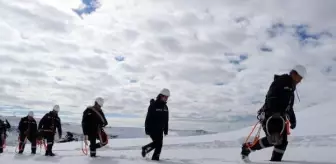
(48, 55)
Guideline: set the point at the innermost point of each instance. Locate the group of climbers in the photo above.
(276, 112)
(93, 122)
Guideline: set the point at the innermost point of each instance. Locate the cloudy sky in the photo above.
(217, 57)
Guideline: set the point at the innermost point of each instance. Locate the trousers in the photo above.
(157, 141)
(101, 136)
(31, 139)
(50, 137)
(2, 141)
(276, 136)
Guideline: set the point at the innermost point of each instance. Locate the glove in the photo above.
(292, 126)
(261, 116)
(102, 125)
(165, 133)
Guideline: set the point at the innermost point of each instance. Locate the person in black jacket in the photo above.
(277, 109)
(47, 128)
(28, 130)
(156, 124)
(93, 121)
(4, 126)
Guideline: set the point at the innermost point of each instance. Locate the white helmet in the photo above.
(165, 92)
(31, 113)
(56, 108)
(301, 70)
(99, 101)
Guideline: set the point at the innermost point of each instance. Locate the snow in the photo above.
(305, 147)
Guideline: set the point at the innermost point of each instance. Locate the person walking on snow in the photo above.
(47, 128)
(93, 122)
(28, 130)
(4, 126)
(278, 107)
(156, 124)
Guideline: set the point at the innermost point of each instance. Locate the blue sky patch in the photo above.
(302, 32)
(87, 7)
(119, 58)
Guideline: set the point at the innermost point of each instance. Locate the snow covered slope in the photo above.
(307, 146)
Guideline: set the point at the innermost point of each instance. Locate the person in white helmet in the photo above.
(47, 128)
(28, 131)
(156, 123)
(93, 122)
(276, 111)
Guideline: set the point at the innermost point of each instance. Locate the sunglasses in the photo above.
(165, 97)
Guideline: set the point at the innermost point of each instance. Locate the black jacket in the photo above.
(157, 117)
(27, 125)
(93, 120)
(280, 97)
(50, 122)
(4, 126)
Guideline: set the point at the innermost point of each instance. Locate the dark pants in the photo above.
(273, 138)
(31, 139)
(101, 136)
(2, 141)
(50, 137)
(157, 139)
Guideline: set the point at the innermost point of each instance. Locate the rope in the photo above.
(101, 138)
(288, 127)
(24, 143)
(84, 148)
(279, 117)
(40, 143)
(4, 142)
(256, 138)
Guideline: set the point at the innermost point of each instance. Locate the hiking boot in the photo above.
(49, 154)
(245, 150)
(155, 158)
(143, 152)
(33, 151)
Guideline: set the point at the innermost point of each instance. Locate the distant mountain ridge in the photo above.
(113, 132)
